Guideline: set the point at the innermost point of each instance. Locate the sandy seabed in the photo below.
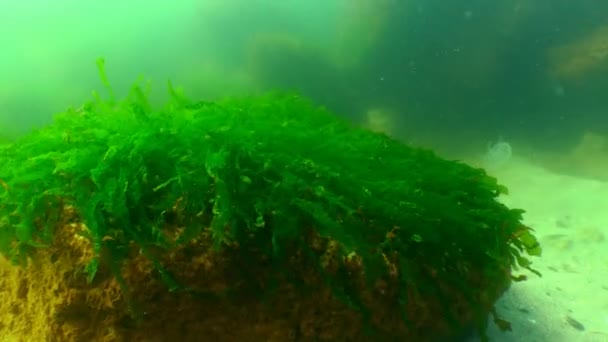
(569, 303)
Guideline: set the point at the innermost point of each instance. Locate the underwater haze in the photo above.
(467, 71)
(50, 47)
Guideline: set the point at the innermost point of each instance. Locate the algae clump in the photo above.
(269, 180)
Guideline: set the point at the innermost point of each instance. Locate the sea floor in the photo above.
(569, 303)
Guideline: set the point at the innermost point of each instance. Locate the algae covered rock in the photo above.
(247, 219)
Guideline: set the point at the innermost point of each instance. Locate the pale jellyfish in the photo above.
(497, 154)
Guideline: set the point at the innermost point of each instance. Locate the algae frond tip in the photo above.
(101, 68)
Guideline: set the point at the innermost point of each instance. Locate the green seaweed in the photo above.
(263, 171)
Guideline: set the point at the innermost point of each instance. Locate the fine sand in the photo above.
(569, 303)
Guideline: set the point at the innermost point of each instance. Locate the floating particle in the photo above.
(574, 323)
